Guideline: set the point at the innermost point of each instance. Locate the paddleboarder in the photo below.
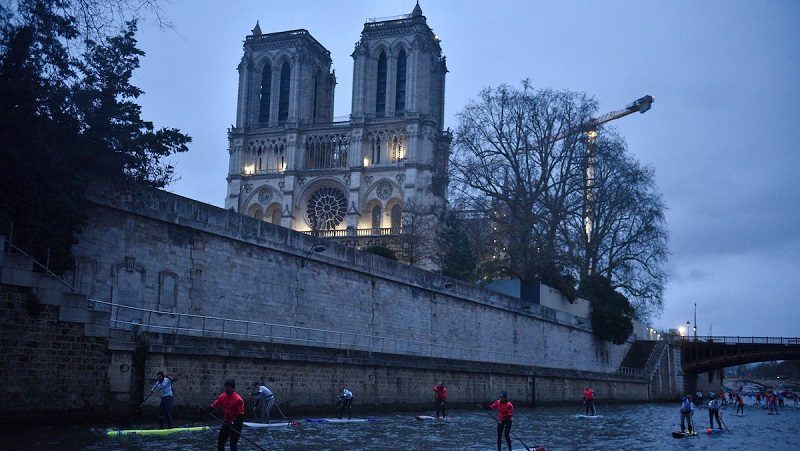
(687, 409)
(713, 412)
(264, 402)
(233, 416)
(739, 404)
(164, 387)
(505, 411)
(345, 401)
(441, 399)
(588, 401)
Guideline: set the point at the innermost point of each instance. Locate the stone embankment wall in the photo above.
(161, 252)
(49, 367)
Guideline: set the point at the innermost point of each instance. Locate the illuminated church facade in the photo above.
(292, 164)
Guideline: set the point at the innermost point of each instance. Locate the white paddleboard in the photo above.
(587, 416)
(337, 420)
(272, 425)
(429, 417)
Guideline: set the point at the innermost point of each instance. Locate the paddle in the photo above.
(234, 430)
(527, 448)
(145, 400)
(723, 423)
(281, 412)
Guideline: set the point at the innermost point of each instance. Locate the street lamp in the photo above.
(442, 287)
(314, 248)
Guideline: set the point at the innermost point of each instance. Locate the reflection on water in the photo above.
(619, 427)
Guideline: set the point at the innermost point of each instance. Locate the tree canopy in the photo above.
(69, 119)
(521, 166)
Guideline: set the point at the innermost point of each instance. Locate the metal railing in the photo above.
(364, 232)
(788, 341)
(146, 320)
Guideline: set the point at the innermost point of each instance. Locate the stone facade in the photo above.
(292, 164)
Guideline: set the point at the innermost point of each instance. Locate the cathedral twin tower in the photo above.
(292, 165)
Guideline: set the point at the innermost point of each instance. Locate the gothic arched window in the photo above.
(400, 84)
(396, 216)
(375, 149)
(380, 97)
(283, 102)
(257, 213)
(266, 93)
(376, 217)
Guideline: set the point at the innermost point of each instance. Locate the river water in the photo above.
(619, 427)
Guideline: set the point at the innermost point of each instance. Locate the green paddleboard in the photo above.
(154, 432)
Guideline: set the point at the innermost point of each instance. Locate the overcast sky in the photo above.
(722, 135)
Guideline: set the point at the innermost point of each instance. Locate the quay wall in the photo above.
(163, 253)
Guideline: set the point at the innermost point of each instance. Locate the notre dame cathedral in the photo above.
(355, 180)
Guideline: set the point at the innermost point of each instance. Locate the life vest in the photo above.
(686, 405)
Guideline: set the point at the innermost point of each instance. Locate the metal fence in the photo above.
(788, 341)
(145, 320)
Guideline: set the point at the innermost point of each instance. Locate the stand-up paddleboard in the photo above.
(337, 420)
(532, 448)
(272, 425)
(429, 417)
(683, 434)
(154, 432)
(714, 431)
(587, 416)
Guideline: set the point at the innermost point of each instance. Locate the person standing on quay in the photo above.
(588, 401)
(164, 387)
(232, 416)
(345, 401)
(441, 399)
(505, 412)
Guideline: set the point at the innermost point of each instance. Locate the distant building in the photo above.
(292, 164)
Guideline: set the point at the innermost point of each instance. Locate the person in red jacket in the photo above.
(441, 399)
(232, 416)
(588, 401)
(739, 404)
(505, 410)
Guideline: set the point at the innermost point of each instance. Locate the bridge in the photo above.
(701, 354)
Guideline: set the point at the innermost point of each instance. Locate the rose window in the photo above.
(326, 208)
(384, 190)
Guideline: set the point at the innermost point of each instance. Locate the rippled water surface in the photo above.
(619, 427)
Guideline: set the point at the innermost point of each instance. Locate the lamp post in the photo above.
(315, 247)
(444, 285)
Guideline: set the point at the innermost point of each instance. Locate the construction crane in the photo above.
(589, 127)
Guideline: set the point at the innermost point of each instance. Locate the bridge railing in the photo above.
(145, 320)
(789, 341)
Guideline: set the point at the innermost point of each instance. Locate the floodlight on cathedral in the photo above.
(291, 162)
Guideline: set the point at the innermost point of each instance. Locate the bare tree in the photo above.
(508, 166)
(417, 243)
(532, 190)
(627, 242)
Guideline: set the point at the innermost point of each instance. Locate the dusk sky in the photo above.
(722, 135)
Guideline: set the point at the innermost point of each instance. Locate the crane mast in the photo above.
(589, 127)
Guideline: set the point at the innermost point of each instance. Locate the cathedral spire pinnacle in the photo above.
(417, 11)
(257, 30)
